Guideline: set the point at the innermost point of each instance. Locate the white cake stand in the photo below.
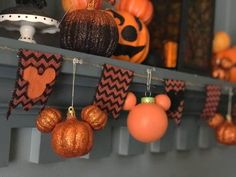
(28, 24)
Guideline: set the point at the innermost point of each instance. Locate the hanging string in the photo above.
(230, 101)
(149, 82)
(188, 83)
(75, 61)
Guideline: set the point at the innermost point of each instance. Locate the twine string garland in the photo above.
(81, 61)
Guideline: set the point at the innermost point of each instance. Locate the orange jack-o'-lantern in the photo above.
(134, 37)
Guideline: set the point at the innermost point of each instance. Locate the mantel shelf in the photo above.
(86, 82)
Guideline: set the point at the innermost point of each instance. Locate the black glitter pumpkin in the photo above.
(89, 31)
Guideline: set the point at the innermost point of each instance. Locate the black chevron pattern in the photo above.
(112, 89)
(212, 100)
(41, 61)
(175, 90)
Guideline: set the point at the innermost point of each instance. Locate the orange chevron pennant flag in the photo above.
(113, 89)
(36, 76)
(175, 90)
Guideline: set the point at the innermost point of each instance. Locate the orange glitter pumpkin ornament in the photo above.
(72, 138)
(216, 121)
(94, 116)
(226, 132)
(48, 119)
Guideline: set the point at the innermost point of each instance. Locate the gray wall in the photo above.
(213, 162)
(225, 17)
(216, 162)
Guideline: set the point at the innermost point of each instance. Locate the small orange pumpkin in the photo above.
(221, 41)
(72, 137)
(94, 116)
(78, 4)
(143, 9)
(48, 119)
(133, 45)
(216, 121)
(226, 132)
(170, 54)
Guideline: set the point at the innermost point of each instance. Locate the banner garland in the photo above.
(36, 76)
(113, 89)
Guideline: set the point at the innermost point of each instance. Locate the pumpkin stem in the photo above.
(91, 5)
(228, 118)
(71, 112)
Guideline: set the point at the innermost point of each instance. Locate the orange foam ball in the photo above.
(147, 122)
(130, 101)
(164, 101)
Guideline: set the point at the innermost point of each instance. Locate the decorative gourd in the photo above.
(133, 45)
(170, 53)
(224, 65)
(226, 132)
(70, 5)
(143, 9)
(72, 137)
(221, 41)
(147, 122)
(216, 121)
(90, 31)
(48, 119)
(94, 116)
(130, 101)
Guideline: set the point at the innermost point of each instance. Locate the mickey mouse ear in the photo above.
(164, 101)
(130, 101)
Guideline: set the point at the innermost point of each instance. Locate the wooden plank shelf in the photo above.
(191, 134)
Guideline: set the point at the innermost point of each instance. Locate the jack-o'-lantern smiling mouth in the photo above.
(127, 50)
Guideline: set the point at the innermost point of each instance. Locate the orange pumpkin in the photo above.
(143, 9)
(48, 119)
(134, 38)
(223, 64)
(226, 133)
(72, 137)
(78, 4)
(216, 121)
(221, 42)
(94, 116)
(170, 54)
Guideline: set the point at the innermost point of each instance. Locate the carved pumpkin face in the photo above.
(134, 38)
(224, 65)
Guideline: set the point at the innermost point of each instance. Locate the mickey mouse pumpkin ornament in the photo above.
(72, 137)
(147, 121)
